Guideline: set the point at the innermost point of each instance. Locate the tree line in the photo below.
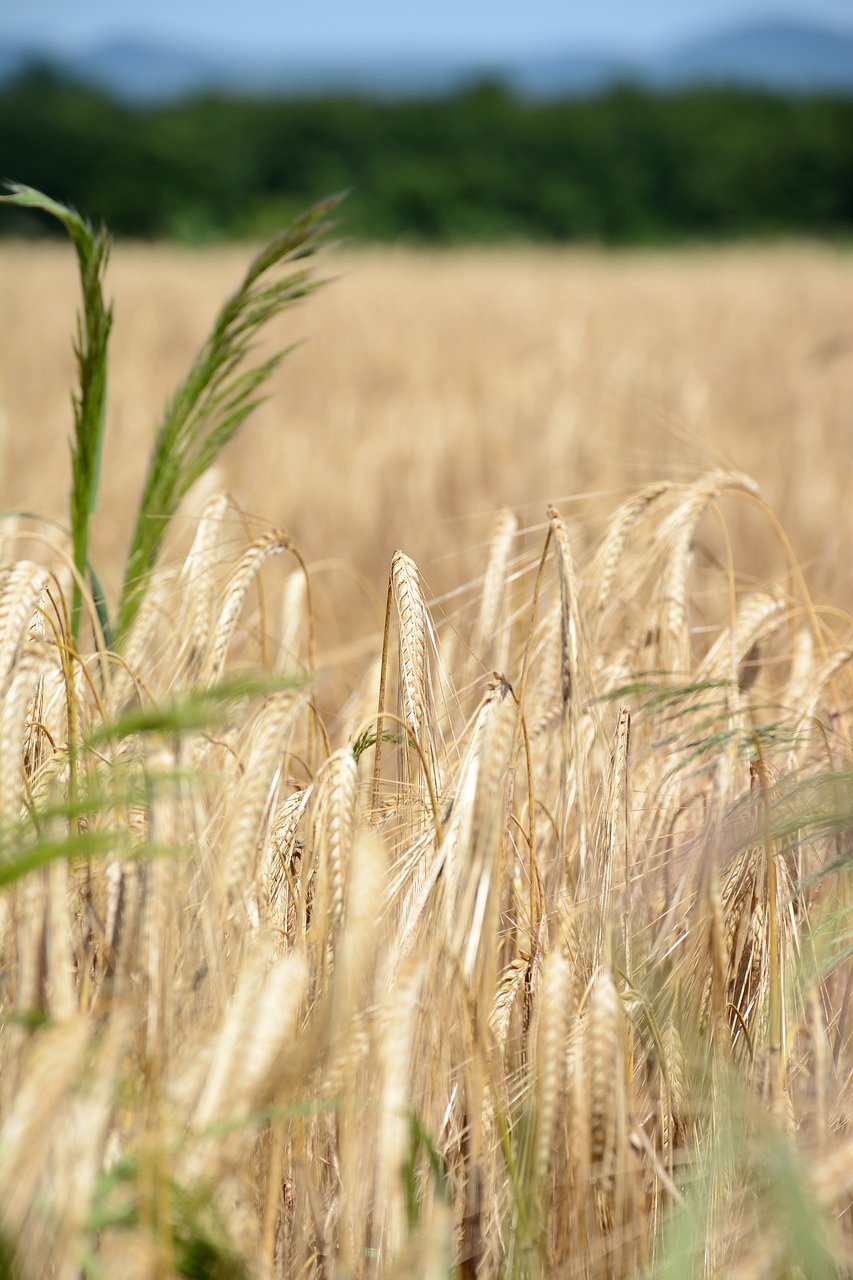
(624, 167)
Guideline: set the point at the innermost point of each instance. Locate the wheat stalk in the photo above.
(490, 642)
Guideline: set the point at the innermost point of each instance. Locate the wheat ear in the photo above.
(616, 822)
(735, 651)
(396, 1102)
(269, 736)
(555, 990)
(293, 607)
(603, 1055)
(269, 544)
(338, 824)
(490, 640)
(611, 550)
(23, 688)
(573, 681)
(199, 574)
(21, 590)
(411, 612)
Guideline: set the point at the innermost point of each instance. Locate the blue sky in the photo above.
(353, 27)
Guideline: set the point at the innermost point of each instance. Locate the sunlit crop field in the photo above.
(448, 869)
(433, 389)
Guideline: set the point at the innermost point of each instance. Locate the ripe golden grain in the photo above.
(467, 1030)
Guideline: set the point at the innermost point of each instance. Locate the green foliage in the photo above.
(64, 827)
(750, 1163)
(625, 167)
(423, 1150)
(93, 332)
(208, 408)
(216, 396)
(367, 739)
(200, 709)
(195, 1239)
(8, 1269)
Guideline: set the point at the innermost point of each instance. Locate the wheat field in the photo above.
(450, 873)
(432, 389)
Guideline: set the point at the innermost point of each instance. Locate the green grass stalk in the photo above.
(90, 348)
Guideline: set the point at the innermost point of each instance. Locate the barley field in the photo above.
(431, 390)
(447, 871)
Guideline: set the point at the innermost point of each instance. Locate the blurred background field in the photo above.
(433, 388)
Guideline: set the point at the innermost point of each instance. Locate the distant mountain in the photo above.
(145, 72)
(139, 70)
(790, 57)
(573, 74)
(16, 58)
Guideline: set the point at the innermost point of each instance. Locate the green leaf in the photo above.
(90, 348)
(216, 396)
(199, 709)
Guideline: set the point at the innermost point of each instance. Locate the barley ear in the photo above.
(490, 638)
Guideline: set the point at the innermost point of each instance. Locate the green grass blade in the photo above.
(90, 348)
(216, 396)
(199, 709)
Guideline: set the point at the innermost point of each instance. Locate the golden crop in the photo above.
(469, 893)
